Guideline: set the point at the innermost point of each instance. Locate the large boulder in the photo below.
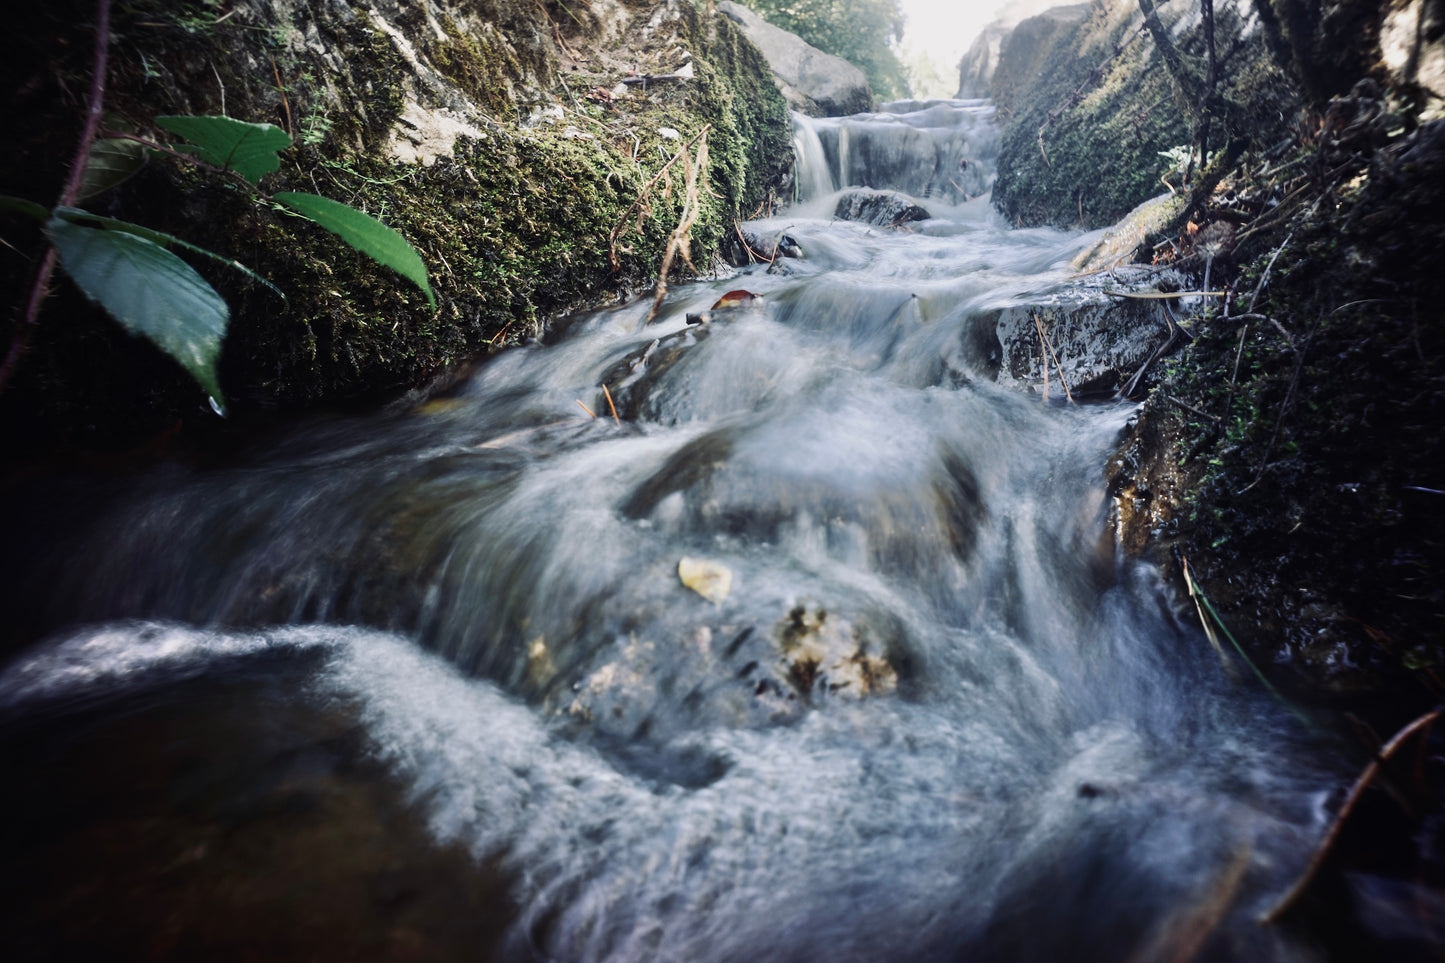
(1034, 50)
(813, 82)
(976, 69)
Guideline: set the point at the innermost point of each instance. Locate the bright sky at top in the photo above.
(943, 29)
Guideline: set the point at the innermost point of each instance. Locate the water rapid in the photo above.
(915, 707)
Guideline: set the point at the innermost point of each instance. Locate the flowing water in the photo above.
(427, 684)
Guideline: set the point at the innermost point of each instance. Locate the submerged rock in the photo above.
(729, 674)
(881, 208)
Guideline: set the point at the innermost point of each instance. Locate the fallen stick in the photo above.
(642, 199)
(1164, 295)
(1049, 344)
(610, 406)
(1322, 852)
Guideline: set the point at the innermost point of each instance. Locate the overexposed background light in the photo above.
(939, 32)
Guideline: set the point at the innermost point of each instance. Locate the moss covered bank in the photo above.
(493, 134)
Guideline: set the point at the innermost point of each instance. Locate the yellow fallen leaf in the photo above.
(711, 580)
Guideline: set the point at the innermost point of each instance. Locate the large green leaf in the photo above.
(111, 161)
(365, 233)
(148, 290)
(77, 216)
(248, 149)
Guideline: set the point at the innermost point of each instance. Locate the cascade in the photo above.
(819, 650)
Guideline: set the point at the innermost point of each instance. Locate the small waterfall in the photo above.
(811, 162)
(944, 150)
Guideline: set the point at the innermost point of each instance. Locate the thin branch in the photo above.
(1043, 336)
(1234, 375)
(1164, 295)
(1194, 411)
(1253, 298)
(1170, 53)
(679, 241)
(95, 107)
(752, 255)
(1326, 845)
(642, 199)
(610, 406)
(285, 104)
(1283, 408)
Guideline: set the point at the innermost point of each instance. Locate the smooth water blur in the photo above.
(1006, 747)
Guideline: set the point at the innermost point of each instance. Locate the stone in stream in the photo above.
(746, 247)
(879, 208)
(1093, 339)
(728, 673)
(632, 380)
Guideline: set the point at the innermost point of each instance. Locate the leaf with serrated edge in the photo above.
(111, 161)
(248, 149)
(150, 291)
(365, 233)
(77, 216)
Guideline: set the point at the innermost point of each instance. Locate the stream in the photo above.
(820, 650)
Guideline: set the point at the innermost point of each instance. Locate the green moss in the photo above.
(514, 227)
(1082, 145)
(479, 63)
(1305, 518)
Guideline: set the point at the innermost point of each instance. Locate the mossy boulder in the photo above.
(493, 134)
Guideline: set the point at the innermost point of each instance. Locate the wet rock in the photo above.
(813, 82)
(729, 674)
(746, 247)
(1118, 243)
(881, 208)
(1093, 340)
(632, 380)
(976, 69)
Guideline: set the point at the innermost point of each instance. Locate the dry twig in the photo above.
(610, 406)
(680, 241)
(1322, 852)
(642, 198)
(1060, 368)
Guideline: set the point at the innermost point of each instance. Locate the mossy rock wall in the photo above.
(1090, 105)
(514, 222)
(1284, 452)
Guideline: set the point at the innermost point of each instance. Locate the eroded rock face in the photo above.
(814, 82)
(1031, 50)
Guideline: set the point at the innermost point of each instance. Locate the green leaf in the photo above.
(19, 205)
(110, 162)
(365, 233)
(148, 290)
(77, 216)
(248, 149)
